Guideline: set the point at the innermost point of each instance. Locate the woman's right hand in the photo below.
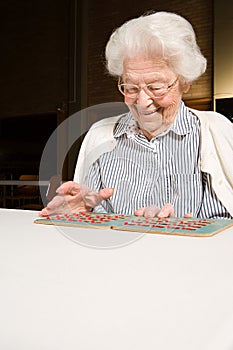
(74, 198)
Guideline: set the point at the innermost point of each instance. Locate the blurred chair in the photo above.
(26, 196)
(2, 190)
(5, 190)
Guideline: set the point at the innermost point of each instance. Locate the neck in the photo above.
(150, 135)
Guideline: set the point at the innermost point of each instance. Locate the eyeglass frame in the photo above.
(169, 86)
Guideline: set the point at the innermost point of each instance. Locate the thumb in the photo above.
(93, 198)
(139, 212)
(106, 193)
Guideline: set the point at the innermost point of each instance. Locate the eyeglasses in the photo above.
(155, 90)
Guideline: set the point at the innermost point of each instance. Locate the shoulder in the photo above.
(101, 132)
(98, 140)
(212, 120)
(210, 116)
(106, 123)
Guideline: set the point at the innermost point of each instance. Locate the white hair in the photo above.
(161, 34)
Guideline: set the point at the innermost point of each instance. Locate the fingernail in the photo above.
(149, 214)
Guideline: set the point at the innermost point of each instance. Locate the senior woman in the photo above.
(161, 158)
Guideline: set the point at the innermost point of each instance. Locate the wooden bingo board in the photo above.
(172, 226)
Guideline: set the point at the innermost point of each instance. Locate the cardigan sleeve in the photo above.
(217, 154)
(98, 140)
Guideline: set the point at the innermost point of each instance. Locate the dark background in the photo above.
(52, 65)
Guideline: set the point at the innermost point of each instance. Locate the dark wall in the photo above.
(34, 55)
(52, 55)
(103, 17)
(37, 61)
(53, 50)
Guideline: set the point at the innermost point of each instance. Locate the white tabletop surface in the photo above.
(159, 292)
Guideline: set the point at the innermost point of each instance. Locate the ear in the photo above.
(186, 87)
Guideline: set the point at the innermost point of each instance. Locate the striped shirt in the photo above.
(165, 169)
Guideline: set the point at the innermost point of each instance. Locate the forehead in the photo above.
(146, 68)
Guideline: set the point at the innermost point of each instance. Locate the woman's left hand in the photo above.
(152, 211)
(164, 212)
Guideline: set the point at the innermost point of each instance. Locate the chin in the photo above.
(152, 119)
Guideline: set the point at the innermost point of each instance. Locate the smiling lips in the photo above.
(148, 112)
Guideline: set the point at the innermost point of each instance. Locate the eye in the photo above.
(130, 89)
(155, 87)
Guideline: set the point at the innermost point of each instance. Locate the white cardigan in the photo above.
(216, 148)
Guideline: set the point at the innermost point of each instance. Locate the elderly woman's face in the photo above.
(155, 102)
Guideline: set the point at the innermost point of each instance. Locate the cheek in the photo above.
(170, 99)
(129, 100)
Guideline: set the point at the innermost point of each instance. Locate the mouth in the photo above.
(149, 112)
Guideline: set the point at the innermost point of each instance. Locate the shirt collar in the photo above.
(182, 124)
(126, 125)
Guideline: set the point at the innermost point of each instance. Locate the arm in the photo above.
(211, 206)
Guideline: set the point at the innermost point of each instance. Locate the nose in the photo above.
(143, 98)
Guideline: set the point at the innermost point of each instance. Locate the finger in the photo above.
(56, 206)
(166, 211)
(48, 211)
(139, 212)
(151, 212)
(43, 212)
(148, 212)
(93, 198)
(188, 215)
(57, 201)
(69, 187)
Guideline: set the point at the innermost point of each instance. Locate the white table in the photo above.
(159, 292)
